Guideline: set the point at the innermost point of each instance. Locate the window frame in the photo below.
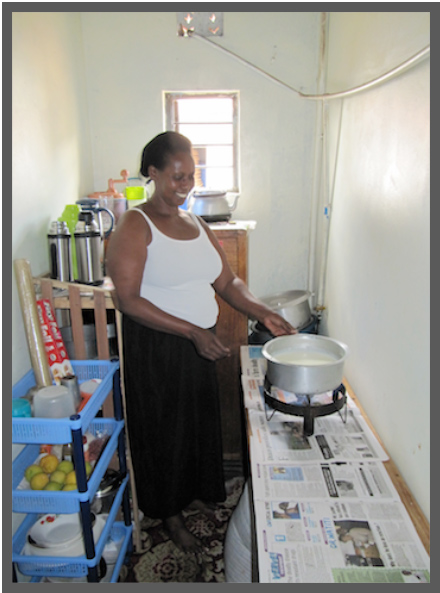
(172, 124)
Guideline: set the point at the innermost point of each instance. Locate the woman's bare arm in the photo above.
(236, 293)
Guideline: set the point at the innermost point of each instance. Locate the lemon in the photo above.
(69, 487)
(49, 463)
(39, 481)
(53, 486)
(71, 478)
(31, 471)
(65, 466)
(58, 476)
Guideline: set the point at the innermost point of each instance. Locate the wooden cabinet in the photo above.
(232, 329)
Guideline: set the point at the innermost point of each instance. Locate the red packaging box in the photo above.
(56, 352)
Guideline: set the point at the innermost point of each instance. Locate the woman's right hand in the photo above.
(208, 345)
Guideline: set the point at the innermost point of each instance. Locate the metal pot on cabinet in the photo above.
(212, 205)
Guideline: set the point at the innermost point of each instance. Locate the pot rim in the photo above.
(208, 193)
(280, 300)
(301, 339)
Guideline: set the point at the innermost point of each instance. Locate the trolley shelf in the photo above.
(25, 500)
(33, 432)
(57, 431)
(61, 566)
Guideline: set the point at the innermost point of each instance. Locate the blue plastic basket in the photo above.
(57, 431)
(48, 501)
(119, 530)
(64, 566)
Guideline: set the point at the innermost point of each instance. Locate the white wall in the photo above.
(132, 57)
(378, 281)
(51, 158)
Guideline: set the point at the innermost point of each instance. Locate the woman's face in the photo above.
(176, 180)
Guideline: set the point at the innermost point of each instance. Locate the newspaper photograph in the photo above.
(333, 440)
(340, 479)
(302, 541)
(253, 363)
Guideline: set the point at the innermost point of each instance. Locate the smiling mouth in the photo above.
(181, 196)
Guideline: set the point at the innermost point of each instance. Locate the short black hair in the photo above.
(160, 148)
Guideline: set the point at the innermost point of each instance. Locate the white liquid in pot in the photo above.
(303, 358)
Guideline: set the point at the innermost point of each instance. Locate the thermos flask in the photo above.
(70, 217)
(60, 256)
(89, 249)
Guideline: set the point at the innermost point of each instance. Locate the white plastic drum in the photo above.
(238, 546)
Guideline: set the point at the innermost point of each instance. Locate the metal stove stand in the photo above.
(309, 412)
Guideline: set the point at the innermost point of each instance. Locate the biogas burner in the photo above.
(308, 406)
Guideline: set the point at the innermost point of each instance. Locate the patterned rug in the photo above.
(162, 562)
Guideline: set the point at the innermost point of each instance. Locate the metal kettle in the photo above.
(104, 217)
(89, 249)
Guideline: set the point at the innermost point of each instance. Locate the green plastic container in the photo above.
(135, 195)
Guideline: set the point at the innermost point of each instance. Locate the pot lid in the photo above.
(289, 298)
(209, 193)
(109, 482)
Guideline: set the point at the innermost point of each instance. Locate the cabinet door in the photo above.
(232, 329)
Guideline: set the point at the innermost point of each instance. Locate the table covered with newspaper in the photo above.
(325, 508)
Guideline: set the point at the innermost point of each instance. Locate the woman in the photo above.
(166, 266)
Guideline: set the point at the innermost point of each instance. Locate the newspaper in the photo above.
(253, 363)
(326, 510)
(304, 541)
(352, 480)
(283, 440)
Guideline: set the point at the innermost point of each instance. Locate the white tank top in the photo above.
(179, 273)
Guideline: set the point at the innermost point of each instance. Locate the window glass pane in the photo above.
(209, 120)
(220, 156)
(204, 110)
(219, 178)
(199, 156)
(207, 133)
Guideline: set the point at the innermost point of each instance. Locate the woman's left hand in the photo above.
(277, 325)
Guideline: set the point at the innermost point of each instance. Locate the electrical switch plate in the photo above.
(206, 24)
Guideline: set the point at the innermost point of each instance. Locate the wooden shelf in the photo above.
(75, 298)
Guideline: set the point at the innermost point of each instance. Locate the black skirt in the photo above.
(173, 419)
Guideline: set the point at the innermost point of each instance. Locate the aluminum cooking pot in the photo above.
(106, 493)
(211, 205)
(293, 305)
(305, 363)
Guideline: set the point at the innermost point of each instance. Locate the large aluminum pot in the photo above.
(293, 305)
(305, 363)
(212, 205)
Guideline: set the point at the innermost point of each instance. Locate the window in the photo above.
(210, 121)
